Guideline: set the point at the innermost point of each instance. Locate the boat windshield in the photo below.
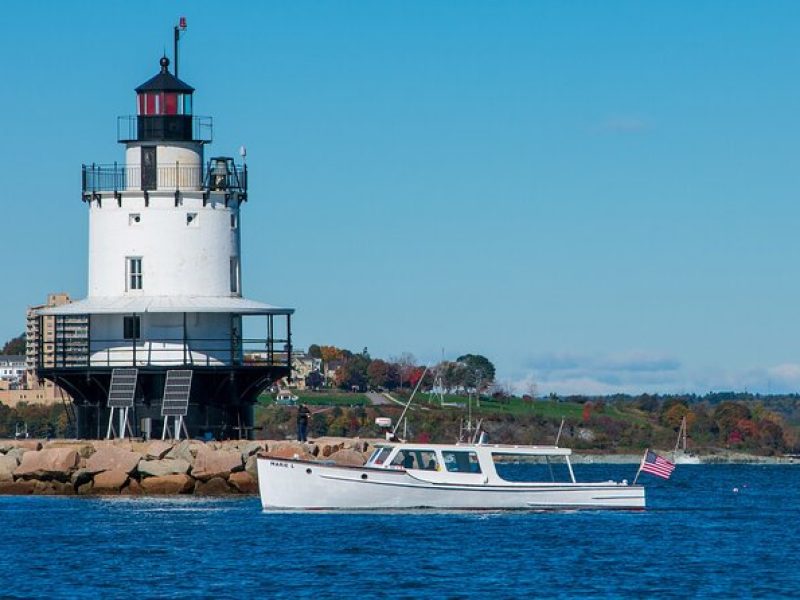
(416, 459)
(521, 467)
(379, 456)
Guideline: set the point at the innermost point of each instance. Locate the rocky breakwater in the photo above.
(124, 467)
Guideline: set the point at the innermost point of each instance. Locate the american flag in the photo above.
(656, 465)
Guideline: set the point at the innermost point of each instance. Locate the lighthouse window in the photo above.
(234, 274)
(187, 104)
(134, 272)
(233, 220)
(191, 219)
(170, 104)
(131, 328)
(134, 219)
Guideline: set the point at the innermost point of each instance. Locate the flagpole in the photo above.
(641, 462)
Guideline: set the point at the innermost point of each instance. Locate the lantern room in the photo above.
(164, 108)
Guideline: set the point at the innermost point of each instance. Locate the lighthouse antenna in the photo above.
(181, 26)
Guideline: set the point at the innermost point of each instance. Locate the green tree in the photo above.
(480, 370)
(378, 373)
(315, 351)
(14, 346)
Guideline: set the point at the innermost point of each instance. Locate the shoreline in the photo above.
(191, 467)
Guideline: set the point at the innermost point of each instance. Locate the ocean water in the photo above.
(711, 531)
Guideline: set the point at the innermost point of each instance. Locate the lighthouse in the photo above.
(165, 287)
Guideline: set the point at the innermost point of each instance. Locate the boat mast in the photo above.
(681, 436)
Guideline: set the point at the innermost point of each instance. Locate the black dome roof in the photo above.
(164, 81)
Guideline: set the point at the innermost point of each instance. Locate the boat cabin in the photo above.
(476, 463)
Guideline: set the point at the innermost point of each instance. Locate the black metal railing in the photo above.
(205, 352)
(130, 128)
(217, 175)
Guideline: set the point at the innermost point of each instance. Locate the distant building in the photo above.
(12, 368)
(302, 366)
(40, 334)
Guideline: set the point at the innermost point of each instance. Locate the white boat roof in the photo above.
(165, 304)
(495, 448)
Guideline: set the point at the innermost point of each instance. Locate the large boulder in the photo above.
(17, 453)
(168, 484)
(53, 488)
(8, 445)
(157, 450)
(347, 457)
(216, 486)
(251, 448)
(7, 466)
(243, 482)
(55, 463)
(295, 450)
(134, 488)
(186, 449)
(21, 487)
(159, 468)
(328, 446)
(109, 482)
(113, 458)
(81, 477)
(84, 449)
(251, 466)
(216, 463)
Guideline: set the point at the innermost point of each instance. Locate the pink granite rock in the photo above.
(134, 488)
(20, 487)
(55, 463)
(216, 486)
(243, 482)
(157, 449)
(109, 482)
(216, 463)
(7, 466)
(350, 458)
(168, 484)
(113, 458)
(296, 450)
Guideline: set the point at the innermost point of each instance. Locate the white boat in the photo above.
(440, 476)
(681, 456)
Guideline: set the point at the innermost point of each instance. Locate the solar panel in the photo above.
(176, 394)
(122, 388)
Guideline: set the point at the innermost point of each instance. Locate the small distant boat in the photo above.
(680, 455)
(439, 476)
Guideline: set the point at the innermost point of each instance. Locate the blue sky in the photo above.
(599, 197)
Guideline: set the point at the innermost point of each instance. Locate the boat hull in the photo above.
(295, 484)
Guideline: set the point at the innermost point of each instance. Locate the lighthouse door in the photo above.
(149, 174)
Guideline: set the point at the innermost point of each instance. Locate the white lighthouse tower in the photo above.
(165, 287)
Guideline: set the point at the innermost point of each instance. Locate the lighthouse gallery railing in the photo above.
(169, 177)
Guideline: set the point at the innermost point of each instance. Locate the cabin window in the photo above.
(527, 468)
(131, 328)
(461, 461)
(416, 459)
(133, 266)
(381, 456)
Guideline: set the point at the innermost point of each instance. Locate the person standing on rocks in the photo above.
(302, 423)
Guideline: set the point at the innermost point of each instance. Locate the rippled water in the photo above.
(699, 537)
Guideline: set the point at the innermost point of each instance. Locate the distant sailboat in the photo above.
(680, 456)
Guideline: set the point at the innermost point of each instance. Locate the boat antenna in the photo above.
(411, 399)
